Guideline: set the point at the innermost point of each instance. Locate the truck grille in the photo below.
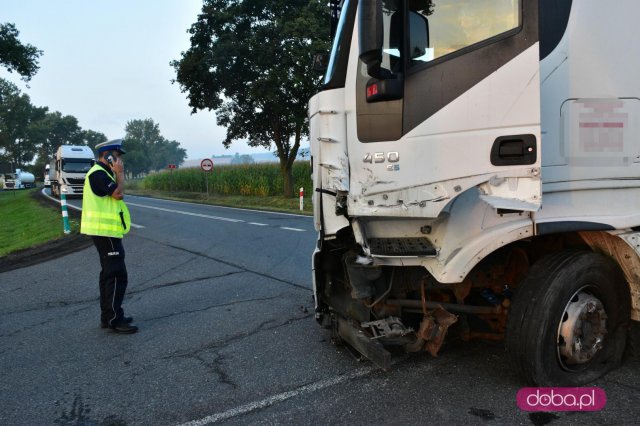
(402, 247)
(75, 181)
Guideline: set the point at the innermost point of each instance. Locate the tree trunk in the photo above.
(287, 166)
(287, 175)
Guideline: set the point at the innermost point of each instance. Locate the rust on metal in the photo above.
(433, 330)
(625, 256)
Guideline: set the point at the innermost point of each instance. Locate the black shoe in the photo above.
(124, 320)
(124, 328)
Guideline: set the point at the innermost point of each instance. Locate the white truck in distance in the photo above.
(477, 173)
(47, 175)
(69, 169)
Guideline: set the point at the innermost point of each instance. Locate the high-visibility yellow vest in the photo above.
(103, 216)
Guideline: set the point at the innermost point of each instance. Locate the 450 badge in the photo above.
(382, 157)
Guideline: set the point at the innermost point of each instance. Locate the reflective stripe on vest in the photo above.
(103, 216)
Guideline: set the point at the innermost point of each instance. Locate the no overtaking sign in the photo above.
(206, 165)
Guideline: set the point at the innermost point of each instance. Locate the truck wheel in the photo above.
(569, 319)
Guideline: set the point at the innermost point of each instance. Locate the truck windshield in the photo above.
(71, 165)
(337, 42)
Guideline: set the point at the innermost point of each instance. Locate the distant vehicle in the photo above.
(19, 180)
(47, 178)
(69, 169)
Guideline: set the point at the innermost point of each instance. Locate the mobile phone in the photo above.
(109, 159)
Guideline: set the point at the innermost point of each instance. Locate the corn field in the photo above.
(262, 179)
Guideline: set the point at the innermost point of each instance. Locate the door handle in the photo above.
(514, 150)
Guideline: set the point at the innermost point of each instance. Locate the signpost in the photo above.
(171, 167)
(207, 167)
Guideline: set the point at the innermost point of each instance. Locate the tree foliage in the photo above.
(15, 56)
(242, 159)
(56, 129)
(251, 62)
(28, 132)
(17, 116)
(148, 150)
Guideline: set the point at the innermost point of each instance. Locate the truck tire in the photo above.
(569, 319)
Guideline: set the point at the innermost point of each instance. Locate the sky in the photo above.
(106, 62)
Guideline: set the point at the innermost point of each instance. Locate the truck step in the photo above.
(402, 247)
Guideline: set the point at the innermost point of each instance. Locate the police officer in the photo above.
(105, 217)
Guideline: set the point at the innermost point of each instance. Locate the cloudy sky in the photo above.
(107, 62)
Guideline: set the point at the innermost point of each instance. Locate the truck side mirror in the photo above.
(371, 35)
(418, 37)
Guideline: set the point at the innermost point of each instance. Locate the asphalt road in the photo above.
(224, 304)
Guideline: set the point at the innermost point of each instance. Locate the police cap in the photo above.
(114, 145)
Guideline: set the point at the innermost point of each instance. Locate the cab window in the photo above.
(453, 25)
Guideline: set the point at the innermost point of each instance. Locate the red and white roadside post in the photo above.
(301, 198)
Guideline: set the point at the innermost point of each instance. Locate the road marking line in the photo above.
(292, 229)
(206, 216)
(263, 403)
(133, 225)
(258, 224)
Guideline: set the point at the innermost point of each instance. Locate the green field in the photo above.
(253, 186)
(259, 180)
(26, 222)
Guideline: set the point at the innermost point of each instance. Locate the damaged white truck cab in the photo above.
(477, 173)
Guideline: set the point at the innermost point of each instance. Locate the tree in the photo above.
(27, 130)
(53, 130)
(15, 56)
(242, 159)
(92, 138)
(147, 149)
(17, 143)
(251, 62)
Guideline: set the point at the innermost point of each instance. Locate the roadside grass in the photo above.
(26, 222)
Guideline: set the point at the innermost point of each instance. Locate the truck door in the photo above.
(447, 99)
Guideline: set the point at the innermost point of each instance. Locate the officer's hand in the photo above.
(117, 166)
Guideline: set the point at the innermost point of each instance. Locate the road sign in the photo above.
(171, 166)
(206, 165)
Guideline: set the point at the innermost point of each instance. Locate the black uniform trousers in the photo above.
(113, 279)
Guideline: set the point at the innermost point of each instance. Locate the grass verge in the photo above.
(26, 222)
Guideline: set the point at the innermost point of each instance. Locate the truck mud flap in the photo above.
(372, 349)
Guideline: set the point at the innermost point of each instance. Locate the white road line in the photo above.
(263, 403)
(206, 216)
(133, 225)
